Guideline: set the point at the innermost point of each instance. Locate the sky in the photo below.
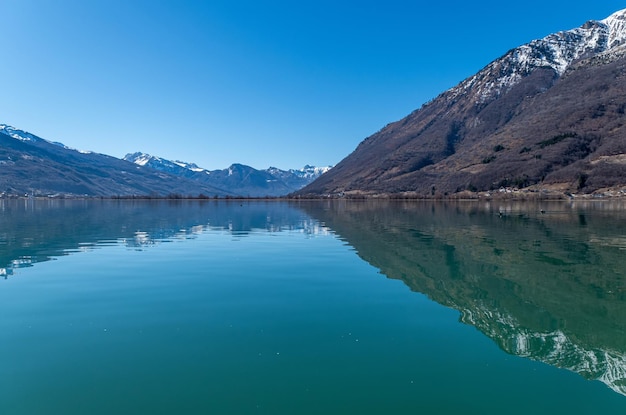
(262, 83)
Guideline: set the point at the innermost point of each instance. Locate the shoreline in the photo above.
(513, 195)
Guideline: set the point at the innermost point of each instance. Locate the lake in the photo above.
(329, 307)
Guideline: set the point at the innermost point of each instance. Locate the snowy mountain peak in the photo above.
(18, 134)
(28, 137)
(138, 158)
(311, 171)
(238, 179)
(190, 166)
(556, 51)
(616, 24)
(145, 159)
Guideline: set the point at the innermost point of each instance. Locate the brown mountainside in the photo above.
(550, 114)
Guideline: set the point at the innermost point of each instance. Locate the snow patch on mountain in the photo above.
(237, 177)
(616, 24)
(556, 51)
(18, 134)
(190, 166)
(28, 137)
(310, 172)
(143, 159)
(307, 172)
(140, 159)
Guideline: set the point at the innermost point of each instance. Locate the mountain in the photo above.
(547, 115)
(34, 166)
(297, 179)
(238, 179)
(177, 168)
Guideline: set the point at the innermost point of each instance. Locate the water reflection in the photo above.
(33, 231)
(544, 281)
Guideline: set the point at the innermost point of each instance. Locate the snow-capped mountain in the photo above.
(144, 159)
(177, 168)
(546, 115)
(28, 137)
(238, 179)
(298, 178)
(310, 172)
(18, 134)
(556, 51)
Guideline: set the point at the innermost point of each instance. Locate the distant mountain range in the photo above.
(238, 179)
(31, 165)
(547, 115)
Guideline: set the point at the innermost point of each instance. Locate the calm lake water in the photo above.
(206, 307)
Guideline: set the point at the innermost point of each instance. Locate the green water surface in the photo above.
(337, 307)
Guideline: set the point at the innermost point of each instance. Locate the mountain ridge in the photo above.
(238, 178)
(498, 128)
(32, 165)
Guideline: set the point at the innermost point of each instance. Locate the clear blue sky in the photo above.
(263, 83)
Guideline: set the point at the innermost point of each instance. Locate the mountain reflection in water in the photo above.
(33, 231)
(544, 281)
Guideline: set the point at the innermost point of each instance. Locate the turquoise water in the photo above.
(309, 308)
